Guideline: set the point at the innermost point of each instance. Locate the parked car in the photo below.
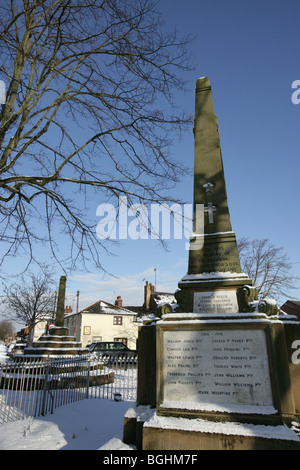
(17, 350)
(10, 347)
(111, 348)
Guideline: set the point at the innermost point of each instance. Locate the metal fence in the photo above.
(34, 387)
(119, 375)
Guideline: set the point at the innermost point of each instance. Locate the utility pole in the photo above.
(77, 307)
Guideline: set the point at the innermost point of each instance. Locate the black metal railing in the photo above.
(35, 387)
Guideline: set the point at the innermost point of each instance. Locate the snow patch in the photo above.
(217, 407)
(213, 276)
(228, 428)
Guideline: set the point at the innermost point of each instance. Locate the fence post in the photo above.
(45, 387)
(88, 378)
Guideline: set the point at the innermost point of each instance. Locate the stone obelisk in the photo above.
(213, 256)
(60, 311)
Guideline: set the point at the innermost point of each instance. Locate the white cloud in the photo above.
(94, 287)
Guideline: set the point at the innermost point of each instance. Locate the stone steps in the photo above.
(57, 343)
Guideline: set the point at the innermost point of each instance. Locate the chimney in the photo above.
(119, 301)
(68, 310)
(149, 289)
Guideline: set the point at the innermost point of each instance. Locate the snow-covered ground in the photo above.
(3, 356)
(90, 424)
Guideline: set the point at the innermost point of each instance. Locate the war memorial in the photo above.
(216, 372)
(58, 342)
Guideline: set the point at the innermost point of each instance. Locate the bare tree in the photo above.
(89, 106)
(6, 329)
(267, 266)
(31, 300)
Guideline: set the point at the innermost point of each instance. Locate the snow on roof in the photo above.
(102, 307)
(164, 298)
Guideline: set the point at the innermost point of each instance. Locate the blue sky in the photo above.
(249, 50)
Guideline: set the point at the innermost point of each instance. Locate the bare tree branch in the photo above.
(90, 106)
(31, 300)
(267, 266)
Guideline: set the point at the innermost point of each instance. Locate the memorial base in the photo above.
(57, 343)
(161, 433)
(222, 382)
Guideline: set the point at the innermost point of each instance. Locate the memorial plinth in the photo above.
(214, 368)
(222, 382)
(216, 365)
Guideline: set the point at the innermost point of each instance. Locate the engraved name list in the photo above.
(216, 366)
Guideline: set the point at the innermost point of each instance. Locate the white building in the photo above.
(103, 321)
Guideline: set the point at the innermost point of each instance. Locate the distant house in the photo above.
(103, 321)
(153, 300)
(292, 307)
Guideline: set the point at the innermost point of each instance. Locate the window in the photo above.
(97, 338)
(121, 340)
(118, 320)
(87, 330)
(100, 347)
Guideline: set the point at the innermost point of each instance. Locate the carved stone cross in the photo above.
(210, 209)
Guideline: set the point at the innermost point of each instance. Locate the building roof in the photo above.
(152, 304)
(292, 307)
(105, 308)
